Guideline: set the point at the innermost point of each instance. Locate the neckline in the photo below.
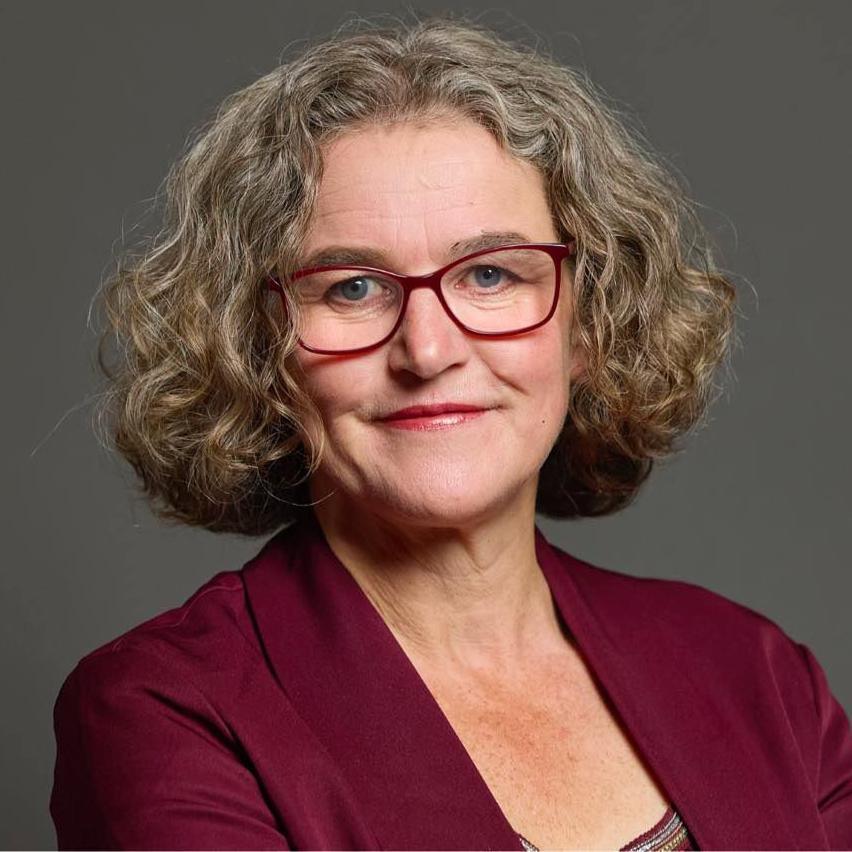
(637, 841)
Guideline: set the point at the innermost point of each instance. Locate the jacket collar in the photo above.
(344, 671)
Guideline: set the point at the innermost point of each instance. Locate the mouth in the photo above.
(434, 410)
(431, 418)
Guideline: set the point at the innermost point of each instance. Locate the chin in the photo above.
(442, 505)
(423, 514)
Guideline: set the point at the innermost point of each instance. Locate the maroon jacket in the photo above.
(275, 709)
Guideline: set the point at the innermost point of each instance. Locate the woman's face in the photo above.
(410, 192)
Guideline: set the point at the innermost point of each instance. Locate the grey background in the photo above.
(748, 100)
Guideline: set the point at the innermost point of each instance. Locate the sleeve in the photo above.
(834, 786)
(143, 761)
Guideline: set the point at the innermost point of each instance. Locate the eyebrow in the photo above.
(339, 255)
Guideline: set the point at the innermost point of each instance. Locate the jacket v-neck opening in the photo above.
(353, 683)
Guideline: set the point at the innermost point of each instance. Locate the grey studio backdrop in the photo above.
(749, 101)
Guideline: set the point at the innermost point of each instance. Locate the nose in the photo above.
(428, 341)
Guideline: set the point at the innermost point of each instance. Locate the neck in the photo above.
(465, 598)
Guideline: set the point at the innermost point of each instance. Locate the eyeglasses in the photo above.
(495, 292)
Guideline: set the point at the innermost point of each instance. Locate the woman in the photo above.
(415, 286)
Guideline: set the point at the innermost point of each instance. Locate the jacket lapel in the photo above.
(672, 703)
(344, 671)
(346, 674)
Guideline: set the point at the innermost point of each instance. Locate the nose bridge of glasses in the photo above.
(428, 281)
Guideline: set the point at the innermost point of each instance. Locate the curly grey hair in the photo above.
(204, 400)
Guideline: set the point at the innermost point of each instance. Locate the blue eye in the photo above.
(353, 289)
(492, 275)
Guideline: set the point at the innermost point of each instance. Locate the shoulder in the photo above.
(208, 639)
(741, 667)
(172, 681)
(703, 633)
(147, 729)
(725, 654)
(682, 606)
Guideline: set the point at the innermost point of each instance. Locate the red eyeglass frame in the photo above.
(557, 251)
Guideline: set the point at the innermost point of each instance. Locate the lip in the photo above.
(436, 422)
(422, 412)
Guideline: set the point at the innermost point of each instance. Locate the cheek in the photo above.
(550, 395)
(535, 370)
(551, 385)
(537, 364)
(336, 385)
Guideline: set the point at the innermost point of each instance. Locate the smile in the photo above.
(438, 421)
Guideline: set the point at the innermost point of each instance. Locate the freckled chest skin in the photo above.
(552, 753)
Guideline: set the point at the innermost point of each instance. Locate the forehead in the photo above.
(413, 191)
